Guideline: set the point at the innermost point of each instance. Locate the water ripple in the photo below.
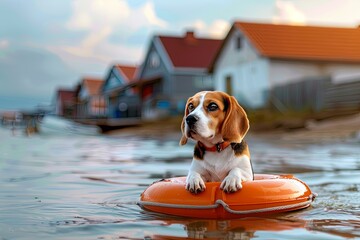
(59, 187)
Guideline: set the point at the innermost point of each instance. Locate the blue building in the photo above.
(122, 100)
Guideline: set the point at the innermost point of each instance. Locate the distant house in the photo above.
(90, 102)
(255, 58)
(121, 100)
(175, 68)
(65, 103)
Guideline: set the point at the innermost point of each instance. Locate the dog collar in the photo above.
(216, 148)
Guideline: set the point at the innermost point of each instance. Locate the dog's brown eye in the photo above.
(212, 107)
(191, 107)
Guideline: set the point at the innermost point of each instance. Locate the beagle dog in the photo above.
(218, 124)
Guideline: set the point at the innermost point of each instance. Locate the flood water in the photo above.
(72, 186)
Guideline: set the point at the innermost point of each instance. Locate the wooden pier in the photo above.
(28, 121)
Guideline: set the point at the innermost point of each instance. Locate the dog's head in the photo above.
(213, 117)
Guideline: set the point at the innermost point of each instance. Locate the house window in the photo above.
(154, 60)
(229, 87)
(238, 42)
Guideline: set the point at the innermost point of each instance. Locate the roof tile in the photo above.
(190, 51)
(93, 85)
(129, 72)
(303, 42)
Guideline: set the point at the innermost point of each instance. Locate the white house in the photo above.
(256, 57)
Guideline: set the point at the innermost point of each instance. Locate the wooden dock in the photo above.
(29, 121)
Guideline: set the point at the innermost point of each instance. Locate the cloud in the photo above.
(286, 12)
(87, 47)
(147, 14)
(334, 12)
(216, 29)
(97, 14)
(100, 20)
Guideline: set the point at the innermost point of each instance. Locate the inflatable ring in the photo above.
(266, 194)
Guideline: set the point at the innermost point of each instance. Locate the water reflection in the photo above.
(58, 187)
(230, 229)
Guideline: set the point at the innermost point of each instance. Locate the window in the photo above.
(154, 60)
(229, 87)
(238, 43)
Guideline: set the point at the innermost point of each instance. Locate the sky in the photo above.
(46, 44)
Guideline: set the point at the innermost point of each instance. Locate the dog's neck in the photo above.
(214, 148)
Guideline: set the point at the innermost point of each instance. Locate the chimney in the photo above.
(190, 37)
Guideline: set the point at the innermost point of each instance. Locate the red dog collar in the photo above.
(216, 148)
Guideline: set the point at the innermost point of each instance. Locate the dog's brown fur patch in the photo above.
(240, 148)
(199, 152)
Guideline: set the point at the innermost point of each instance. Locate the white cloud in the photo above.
(147, 14)
(333, 12)
(286, 12)
(217, 29)
(87, 47)
(100, 19)
(97, 13)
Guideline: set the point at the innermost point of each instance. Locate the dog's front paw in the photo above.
(231, 184)
(195, 184)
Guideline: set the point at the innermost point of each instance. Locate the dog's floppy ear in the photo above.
(236, 123)
(184, 139)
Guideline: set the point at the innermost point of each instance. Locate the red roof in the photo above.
(66, 95)
(303, 42)
(93, 85)
(128, 72)
(190, 51)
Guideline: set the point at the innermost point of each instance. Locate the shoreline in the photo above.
(334, 129)
(331, 129)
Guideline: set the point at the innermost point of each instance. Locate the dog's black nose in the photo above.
(191, 120)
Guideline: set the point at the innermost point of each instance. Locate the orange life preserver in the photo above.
(266, 194)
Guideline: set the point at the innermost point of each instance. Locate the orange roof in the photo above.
(190, 51)
(128, 72)
(93, 85)
(303, 42)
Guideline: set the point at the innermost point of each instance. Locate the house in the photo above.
(65, 103)
(257, 57)
(174, 68)
(121, 100)
(90, 103)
